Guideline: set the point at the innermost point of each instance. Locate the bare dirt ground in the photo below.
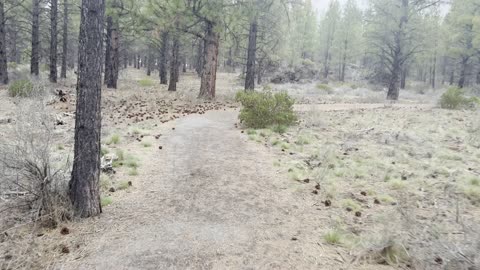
(355, 185)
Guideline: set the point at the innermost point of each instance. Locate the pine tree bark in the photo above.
(174, 64)
(112, 57)
(434, 70)
(63, 72)
(210, 60)
(199, 58)
(53, 40)
(344, 60)
(35, 53)
(251, 56)
(463, 72)
(84, 185)
(162, 63)
(3, 46)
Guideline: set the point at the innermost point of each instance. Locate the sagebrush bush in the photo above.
(20, 88)
(454, 98)
(261, 110)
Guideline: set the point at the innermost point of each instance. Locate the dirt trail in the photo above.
(210, 199)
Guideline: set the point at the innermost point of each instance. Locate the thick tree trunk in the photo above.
(251, 57)
(63, 72)
(162, 63)
(35, 53)
(53, 40)
(210, 59)
(84, 185)
(463, 72)
(3, 47)
(393, 85)
(174, 64)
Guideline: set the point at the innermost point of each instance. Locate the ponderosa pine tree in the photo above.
(84, 184)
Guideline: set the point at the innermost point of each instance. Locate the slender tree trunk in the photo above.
(344, 61)
(174, 64)
(210, 60)
(63, 72)
(3, 47)
(251, 57)
(162, 63)
(112, 54)
(53, 40)
(35, 53)
(108, 47)
(452, 77)
(260, 72)
(84, 185)
(149, 61)
(463, 72)
(403, 80)
(434, 69)
(199, 58)
(139, 61)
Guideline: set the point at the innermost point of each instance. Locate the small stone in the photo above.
(376, 201)
(317, 186)
(439, 260)
(160, 147)
(294, 238)
(129, 183)
(65, 249)
(349, 209)
(315, 192)
(306, 180)
(328, 203)
(112, 189)
(358, 214)
(64, 231)
(363, 193)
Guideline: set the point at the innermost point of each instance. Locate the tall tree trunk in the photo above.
(210, 59)
(393, 87)
(162, 63)
(139, 61)
(199, 58)
(53, 40)
(452, 77)
(35, 53)
(149, 61)
(174, 64)
(3, 47)
(344, 61)
(434, 69)
(403, 79)
(112, 54)
(260, 72)
(463, 72)
(251, 56)
(84, 185)
(63, 72)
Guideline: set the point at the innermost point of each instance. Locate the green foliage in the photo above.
(454, 98)
(261, 110)
(133, 171)
(12, 65)
(325, 87)
(280, 129)
(123, 185)
(105, 201)
(333, 237)
(20, 88)
(114, 139)
(146, 82)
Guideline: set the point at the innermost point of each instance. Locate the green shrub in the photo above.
(12, 65)
(280, 129)
(454, 98)
(20, 88)
(325, 88)
(146, 82)
(261, 110)
(106, 201)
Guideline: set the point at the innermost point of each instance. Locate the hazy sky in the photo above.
(322, 5)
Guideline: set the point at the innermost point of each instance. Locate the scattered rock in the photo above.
(363, 193)
(64, 249)
(294, 238)
(376, 201)
(315, 192)
(328, 203)
(129, 183)
(306, 180)
(64, 231)
(160, 147)
(317, 186)
(349, 209)
(112, 189)
(358, 214)
(439, 260)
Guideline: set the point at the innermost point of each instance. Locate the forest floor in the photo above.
(357, 184)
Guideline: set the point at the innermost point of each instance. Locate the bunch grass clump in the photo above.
(264, 109)
(20, 88)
